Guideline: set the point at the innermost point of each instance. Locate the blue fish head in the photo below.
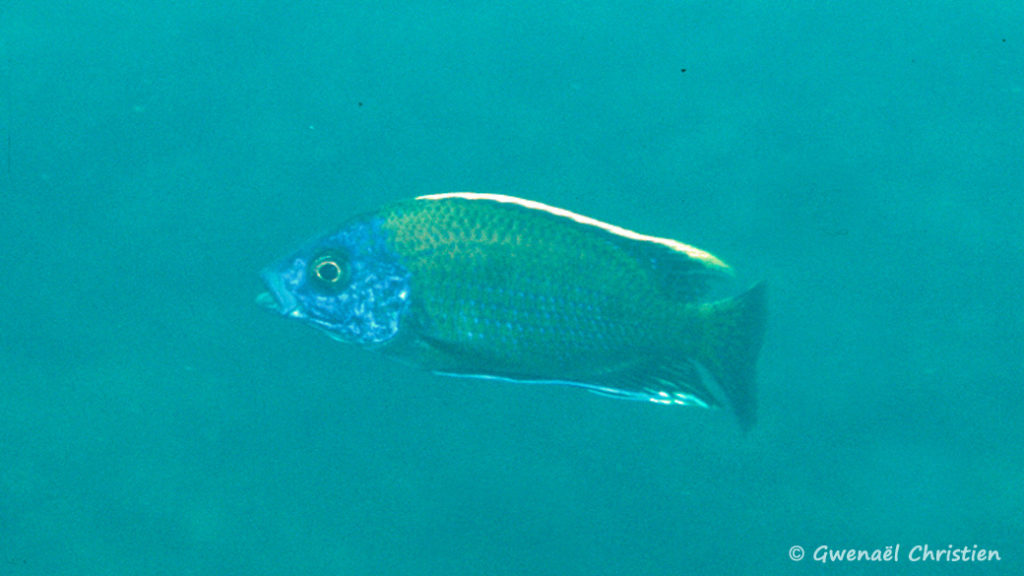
(348, 283)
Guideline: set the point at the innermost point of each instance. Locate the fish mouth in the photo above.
(277, 298)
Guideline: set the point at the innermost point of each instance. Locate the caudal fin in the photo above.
(730, 338)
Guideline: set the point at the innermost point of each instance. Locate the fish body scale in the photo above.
(522, 291)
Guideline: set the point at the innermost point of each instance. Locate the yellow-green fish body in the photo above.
(496, 286)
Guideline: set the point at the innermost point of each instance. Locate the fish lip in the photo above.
(277, 298)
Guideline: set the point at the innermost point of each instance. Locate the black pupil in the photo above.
(328, 271)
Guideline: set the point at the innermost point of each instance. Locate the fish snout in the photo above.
(277, 298)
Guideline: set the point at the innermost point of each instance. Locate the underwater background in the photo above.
(865, 158)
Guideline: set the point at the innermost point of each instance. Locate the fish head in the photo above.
(348, 283)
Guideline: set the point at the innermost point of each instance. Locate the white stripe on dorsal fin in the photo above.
(708, 260)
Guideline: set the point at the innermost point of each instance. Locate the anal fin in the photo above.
(677, 383)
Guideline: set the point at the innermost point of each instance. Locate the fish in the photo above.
(498, 287)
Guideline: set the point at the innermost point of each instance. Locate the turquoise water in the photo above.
(864, 158)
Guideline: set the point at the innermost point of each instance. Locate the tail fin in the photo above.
(730, 339)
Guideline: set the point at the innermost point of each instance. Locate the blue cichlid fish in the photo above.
(499, 287)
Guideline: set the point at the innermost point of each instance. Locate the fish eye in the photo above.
(330, 271)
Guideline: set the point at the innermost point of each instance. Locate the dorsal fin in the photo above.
(681, 270)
